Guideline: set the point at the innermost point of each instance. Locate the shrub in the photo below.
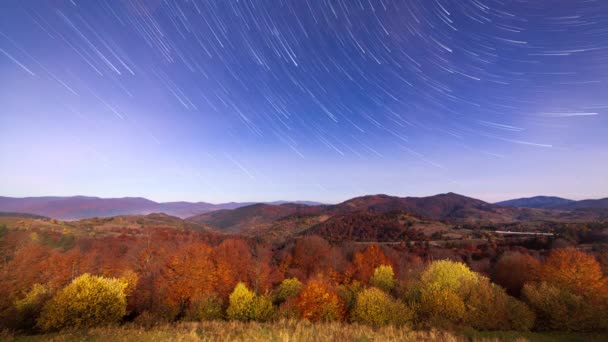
(561, 309)
(521, 317)
(445, 274)
(28, 308)
(440, 307)
(87, 301)
(208, 308)
(245, 305)
(383, 278)
(241, 303)
(376, 308)
(288, 288)
(348, 293)
(318, 301)
(488, 307)
(262, 309)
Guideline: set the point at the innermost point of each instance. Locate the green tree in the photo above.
(87, 301)
(383, 278)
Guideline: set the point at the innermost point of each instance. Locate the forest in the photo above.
(154, 269)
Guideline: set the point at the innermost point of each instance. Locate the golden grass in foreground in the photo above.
(283, 331)
(237, 331)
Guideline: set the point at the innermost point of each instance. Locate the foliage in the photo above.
(488, 307)
(348, 293)
(439, 307)
(445, 274)
(187, 275)
(27, 309)
(561, 309)
(319, 301)
(245, 305)
(376, 308)
(521, 317)
(383, 278)
(365, 262)
(514, 269)
(207, 308)
(288, 288)
(574, 270)
(241, 303)
(263, 310)
(88, 301)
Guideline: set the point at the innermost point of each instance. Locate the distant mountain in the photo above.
(23, 215)
(252, 216)
(586, 204)
(539, 202)
(556, 203)
(80, 207)
(448, 207)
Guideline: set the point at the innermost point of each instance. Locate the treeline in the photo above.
(170, 275)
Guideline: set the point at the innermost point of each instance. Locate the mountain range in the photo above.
(558, 203)
(237, 216)
(80, 207)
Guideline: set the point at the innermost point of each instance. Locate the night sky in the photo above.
(322, 100)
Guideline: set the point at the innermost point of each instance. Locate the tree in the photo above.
(86, 302)
(311, 255)
(318, 301)
(244, 305)
(365, 262)
(561, 309)
(233, 263)
(383, 278)
(376, 308)
(488, 307)
(514, 269)
(28, 308)
(574, 270)
(186, 276)
(445, 274)
(439, 307)
(288, 288)
(241, 303)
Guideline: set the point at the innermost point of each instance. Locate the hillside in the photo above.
(271, 221)
(252, 216)
(365, 226)
(538, 202)
(81, 207)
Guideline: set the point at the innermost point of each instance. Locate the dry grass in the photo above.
(286, 331)
(289, 331)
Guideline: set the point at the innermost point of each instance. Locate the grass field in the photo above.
(286, 331)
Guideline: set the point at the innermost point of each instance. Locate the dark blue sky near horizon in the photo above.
(303, 100)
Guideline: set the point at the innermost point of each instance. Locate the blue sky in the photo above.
(303, 100)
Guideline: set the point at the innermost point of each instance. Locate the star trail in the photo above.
(303, 99)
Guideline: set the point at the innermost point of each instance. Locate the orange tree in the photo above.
(319, 301)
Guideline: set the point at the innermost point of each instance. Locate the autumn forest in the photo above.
(417, 273)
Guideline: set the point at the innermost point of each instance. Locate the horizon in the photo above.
(229, 101)
(308, 200)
